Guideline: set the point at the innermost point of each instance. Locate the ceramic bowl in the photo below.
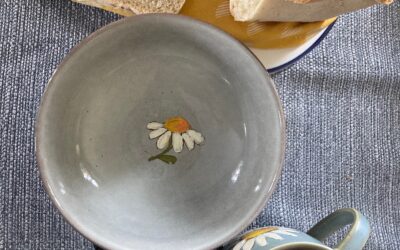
(93, 145)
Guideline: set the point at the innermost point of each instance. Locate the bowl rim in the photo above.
(50, 84)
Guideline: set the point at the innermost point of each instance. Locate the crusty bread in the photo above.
(295, 10)
(137, 6)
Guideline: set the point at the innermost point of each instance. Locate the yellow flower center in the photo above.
(177, 124)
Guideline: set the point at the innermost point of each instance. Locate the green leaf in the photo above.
(169, 159)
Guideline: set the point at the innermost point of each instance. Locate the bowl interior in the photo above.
(93, 145)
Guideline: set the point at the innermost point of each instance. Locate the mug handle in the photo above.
(355, 238)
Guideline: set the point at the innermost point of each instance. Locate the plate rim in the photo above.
(308, 50)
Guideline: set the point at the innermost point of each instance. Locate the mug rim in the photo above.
(315, 246)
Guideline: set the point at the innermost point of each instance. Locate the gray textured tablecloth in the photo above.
(342, 105)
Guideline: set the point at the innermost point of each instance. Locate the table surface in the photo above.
(342, 106)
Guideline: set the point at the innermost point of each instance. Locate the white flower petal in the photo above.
(273, 236)
(156, 133)
(164, 140)
(188, 141)
(249, 244)
(261, 241)
(154, 125)
(197, 137)
(177, 142)
(239, 245)
(286, 232)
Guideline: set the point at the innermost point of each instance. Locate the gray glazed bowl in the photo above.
(93, 145)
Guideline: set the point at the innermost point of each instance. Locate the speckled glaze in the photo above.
(279, 238)
(93, 145)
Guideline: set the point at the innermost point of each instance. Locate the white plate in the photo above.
(276, 60)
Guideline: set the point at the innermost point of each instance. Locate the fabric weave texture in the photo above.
(341, 101)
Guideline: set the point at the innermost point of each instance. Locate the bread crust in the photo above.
(137, 6)
(296, 10)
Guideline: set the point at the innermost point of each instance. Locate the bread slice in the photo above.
(137, 6)
(295, 10)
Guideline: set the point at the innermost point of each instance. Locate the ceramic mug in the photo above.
(279, 238)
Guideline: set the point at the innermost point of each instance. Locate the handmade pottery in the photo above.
(280, 238)
(99, 162)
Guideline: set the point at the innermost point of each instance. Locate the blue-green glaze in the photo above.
(357, 235)
(280, 238)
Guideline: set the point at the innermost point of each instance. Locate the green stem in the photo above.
(162, 153)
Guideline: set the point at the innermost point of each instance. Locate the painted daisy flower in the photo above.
(176, 128)
(261, 236)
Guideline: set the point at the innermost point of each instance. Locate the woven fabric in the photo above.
(342, 106)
